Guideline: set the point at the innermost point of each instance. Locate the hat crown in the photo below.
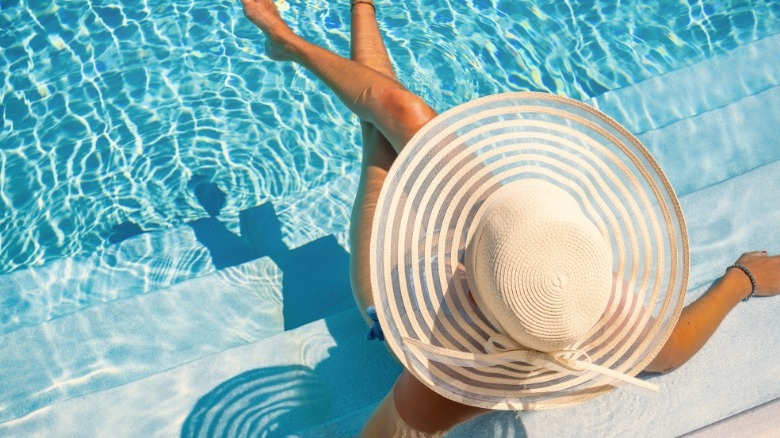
(538, 267)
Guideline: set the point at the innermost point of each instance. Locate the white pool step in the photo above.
(118, 342)
(718, 144)
(713, 83)
(760, 421)
(139, 265)
(319, 212)
(283, 383)
(714, 119)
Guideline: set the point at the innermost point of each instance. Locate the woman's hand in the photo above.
(765, 270)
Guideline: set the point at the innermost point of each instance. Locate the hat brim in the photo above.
(433, 197)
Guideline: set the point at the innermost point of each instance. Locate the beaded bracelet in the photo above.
(750, 276)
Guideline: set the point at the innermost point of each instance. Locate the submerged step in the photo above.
(716, 145)
(760, 421)
(115, 343)
(686, 92)
(737, 215)
(318, 267)
(319, 212)
(278, 386)
(139, 265)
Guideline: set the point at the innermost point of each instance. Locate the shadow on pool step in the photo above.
(275, 386)
(315, 276)
(319, 393)
(116, 343)
(276, 400)
(226, 248)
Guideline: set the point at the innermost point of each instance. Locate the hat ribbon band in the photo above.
(560, 361)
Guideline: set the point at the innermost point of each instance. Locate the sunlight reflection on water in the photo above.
(108, 109)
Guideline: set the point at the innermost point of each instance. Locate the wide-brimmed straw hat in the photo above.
(527, 253)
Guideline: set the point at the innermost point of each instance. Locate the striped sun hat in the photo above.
(527, 253)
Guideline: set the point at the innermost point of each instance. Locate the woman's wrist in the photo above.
(737, 283)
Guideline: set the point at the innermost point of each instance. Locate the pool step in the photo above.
(718, 144)
(319, 212)
(118, 342)
(760, 421)
(316, 273)
(715, 119)
(323, 211)
(714, 83)
(279, 385)
(139, 265)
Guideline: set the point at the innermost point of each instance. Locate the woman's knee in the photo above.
(406, 107)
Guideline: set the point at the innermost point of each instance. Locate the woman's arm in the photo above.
(699, 320)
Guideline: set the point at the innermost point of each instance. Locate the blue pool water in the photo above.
(118, 112)
(108, 109)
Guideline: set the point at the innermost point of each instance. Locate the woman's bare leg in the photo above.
(373, 96)
(378, 155)
(366, 42)
(390, 116)
(415, 403)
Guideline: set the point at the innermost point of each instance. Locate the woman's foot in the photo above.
(264, 15)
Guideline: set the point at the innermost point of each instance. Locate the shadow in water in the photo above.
(227, 249)
(315, 276)
(273, 401)
(124, 231)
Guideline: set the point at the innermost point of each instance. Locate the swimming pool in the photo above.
(109, 110)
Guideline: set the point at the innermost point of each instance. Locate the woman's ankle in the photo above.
(283, 46)
(361, 5)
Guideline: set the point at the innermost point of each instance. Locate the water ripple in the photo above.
(108, 108)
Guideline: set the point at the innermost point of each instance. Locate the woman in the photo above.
(390, 116)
